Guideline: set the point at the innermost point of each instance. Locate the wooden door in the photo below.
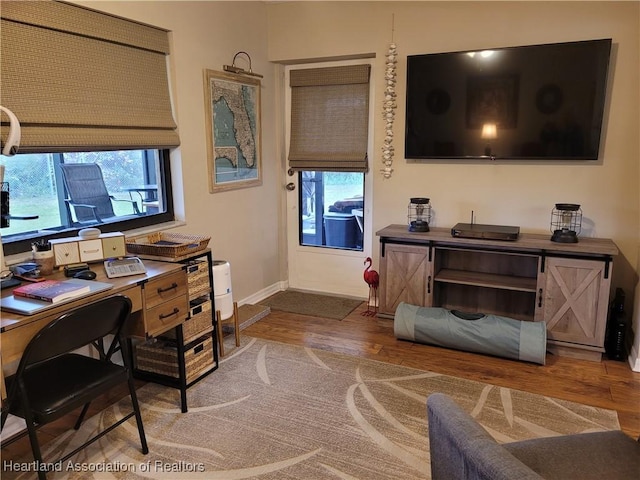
(406, 275)
(574, 300)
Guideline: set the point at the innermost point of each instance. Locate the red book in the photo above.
(51, 291)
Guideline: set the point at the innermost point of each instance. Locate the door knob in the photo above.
(290, 186)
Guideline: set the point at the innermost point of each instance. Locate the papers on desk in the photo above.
(30, 306)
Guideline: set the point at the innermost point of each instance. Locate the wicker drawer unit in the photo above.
(161, 357)
(191, 338)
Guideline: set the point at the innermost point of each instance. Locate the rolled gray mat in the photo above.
(478, 333)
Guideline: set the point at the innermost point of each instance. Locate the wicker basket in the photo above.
(169, 245)
(198, 278)
(162, 357)
(199, 322)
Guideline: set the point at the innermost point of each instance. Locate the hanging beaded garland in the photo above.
(388, 109)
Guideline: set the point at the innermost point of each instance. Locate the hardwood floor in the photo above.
(607, 384)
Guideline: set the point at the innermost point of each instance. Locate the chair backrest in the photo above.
(461, 448)
(77, 328)
(85, 184)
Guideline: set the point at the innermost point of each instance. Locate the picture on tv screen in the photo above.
(528, 102)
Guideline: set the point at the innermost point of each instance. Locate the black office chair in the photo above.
(52, 380)
(88, 194)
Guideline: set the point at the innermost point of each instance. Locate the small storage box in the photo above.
(200, 321)
(161, 357)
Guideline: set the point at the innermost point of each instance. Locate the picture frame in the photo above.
(492, 99)
(233, 128)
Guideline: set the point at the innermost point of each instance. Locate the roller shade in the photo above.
(82, 80)
(329, 118)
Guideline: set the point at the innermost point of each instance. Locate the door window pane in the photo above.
(331, 209)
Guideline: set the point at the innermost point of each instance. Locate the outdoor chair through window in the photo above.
(53, 379)
(88, 195)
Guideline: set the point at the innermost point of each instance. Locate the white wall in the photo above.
(511, 193)
(243, 224)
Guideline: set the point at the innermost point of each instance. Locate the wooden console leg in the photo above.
(220, 335)
(236, 323)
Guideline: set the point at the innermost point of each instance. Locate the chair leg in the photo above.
(35, 446)
(136, 410)
(219, 330)
(3, 418)
(82, 415)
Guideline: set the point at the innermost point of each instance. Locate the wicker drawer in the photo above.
(165, 288)
(199, 322)
(162, 357)
(198, 282)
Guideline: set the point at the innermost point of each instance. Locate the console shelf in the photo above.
(489, 280)
(529, 279)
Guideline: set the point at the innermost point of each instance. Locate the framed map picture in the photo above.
(232, 106)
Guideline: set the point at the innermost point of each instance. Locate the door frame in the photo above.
(326, 269)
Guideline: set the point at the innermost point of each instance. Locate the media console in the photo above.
(530, 279)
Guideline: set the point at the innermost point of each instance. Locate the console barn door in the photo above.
(406, 276)
(576, 295)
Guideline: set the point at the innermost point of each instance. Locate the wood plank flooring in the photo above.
(607, 384)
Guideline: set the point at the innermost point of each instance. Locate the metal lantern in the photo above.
(419, 214)
(566, 221)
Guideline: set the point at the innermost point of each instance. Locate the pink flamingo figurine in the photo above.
(372, 279)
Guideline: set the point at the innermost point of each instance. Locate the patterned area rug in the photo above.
(313, 304)
(277, 411)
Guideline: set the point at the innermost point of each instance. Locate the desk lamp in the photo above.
(566, 221)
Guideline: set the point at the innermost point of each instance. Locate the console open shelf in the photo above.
(490, 280)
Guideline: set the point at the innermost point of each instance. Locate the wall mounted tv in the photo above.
(529, 102)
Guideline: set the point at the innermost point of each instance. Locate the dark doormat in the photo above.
(312, 304)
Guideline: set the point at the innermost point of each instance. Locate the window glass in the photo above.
(331, 209)
(137, 180)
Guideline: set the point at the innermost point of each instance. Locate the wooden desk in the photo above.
(159, 299)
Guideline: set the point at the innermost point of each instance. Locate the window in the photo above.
(331, 209)
(88, 88)
(36, 189)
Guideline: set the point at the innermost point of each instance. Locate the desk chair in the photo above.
(51, 381)
(88, 194)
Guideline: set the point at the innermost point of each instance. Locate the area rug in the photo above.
(317, 305)
(278, 411)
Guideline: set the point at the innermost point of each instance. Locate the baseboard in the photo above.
(264, 293)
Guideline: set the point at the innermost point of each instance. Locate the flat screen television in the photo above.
(528, 102)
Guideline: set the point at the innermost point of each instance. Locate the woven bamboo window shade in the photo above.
(82, 80)
(329, 119)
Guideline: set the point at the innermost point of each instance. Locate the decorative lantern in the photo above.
(566, 221)
(419, 214)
